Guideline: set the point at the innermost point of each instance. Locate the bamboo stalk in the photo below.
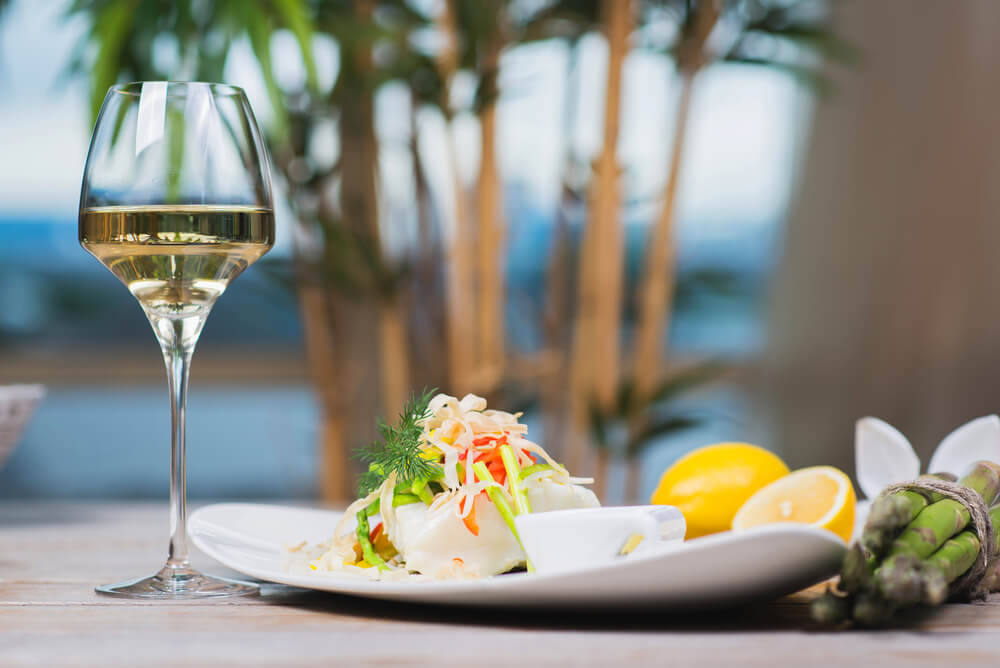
(552, 386)
(559, 288)
(656, 287)
(602, 474)
(425, 236)
(428, 330)
(318, 324)
(359, 204)
(319, 343)
(334, 472)
(460, 276)
(394, 358)
(490, 357)
(657, 283)
(597, 332)
(317, 328)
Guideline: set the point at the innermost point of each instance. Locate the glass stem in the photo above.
(177, 337)
(178, 363)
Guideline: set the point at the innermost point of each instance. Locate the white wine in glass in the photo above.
(177, 203)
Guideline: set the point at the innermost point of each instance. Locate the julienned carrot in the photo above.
(470, 519)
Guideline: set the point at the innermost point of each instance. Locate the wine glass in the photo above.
(176, 202)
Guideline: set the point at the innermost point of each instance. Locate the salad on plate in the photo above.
(440, 495)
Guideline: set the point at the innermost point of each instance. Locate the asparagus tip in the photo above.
(871, 609)
(854, 572)
(831, 608)
(900, 579)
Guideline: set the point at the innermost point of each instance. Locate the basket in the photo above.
(17, 403)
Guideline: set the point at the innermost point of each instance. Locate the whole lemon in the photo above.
(711, 483)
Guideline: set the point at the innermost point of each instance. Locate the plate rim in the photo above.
(420, 591)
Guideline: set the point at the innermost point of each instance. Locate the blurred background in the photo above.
(649, 224)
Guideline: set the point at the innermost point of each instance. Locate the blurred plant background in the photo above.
(571, 207)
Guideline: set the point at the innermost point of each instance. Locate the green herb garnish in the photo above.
(398, 450)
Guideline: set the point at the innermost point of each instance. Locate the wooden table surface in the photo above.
(52, 555)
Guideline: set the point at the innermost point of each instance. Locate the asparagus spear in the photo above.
(888, 515)
(954, 558)
(857, 570)
(831, 608)
(993, 579)
(899, 577)
(872, 609)
(943, 519)
(930, 553)
(910, 580)
(891, 513)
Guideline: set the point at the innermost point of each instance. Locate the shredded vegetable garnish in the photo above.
(443, 486)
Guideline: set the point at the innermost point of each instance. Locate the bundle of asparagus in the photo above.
(914, 547)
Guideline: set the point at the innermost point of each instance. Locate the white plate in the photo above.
(714, 571)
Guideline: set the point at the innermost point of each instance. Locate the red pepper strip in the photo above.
(484, 456)
(494, 463)
(375, 532)
(490, 456)
(498, 472)
(483, 440)
(479, 454)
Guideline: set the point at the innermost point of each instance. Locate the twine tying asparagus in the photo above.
(975, 583)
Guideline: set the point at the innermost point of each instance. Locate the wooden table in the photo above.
(52, 555)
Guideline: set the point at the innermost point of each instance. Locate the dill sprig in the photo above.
(398, 449)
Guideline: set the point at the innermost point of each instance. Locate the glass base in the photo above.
(178, 584)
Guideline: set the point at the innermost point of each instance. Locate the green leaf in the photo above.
(294, 14)
(598, 427)
(625, 402)
(812, 79)
(670, 425)
(564, 19)
(111, 27)
(259, 30)
(817, 38)
(175, 153)
(681, 381)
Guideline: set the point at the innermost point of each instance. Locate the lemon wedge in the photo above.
(820, 496)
